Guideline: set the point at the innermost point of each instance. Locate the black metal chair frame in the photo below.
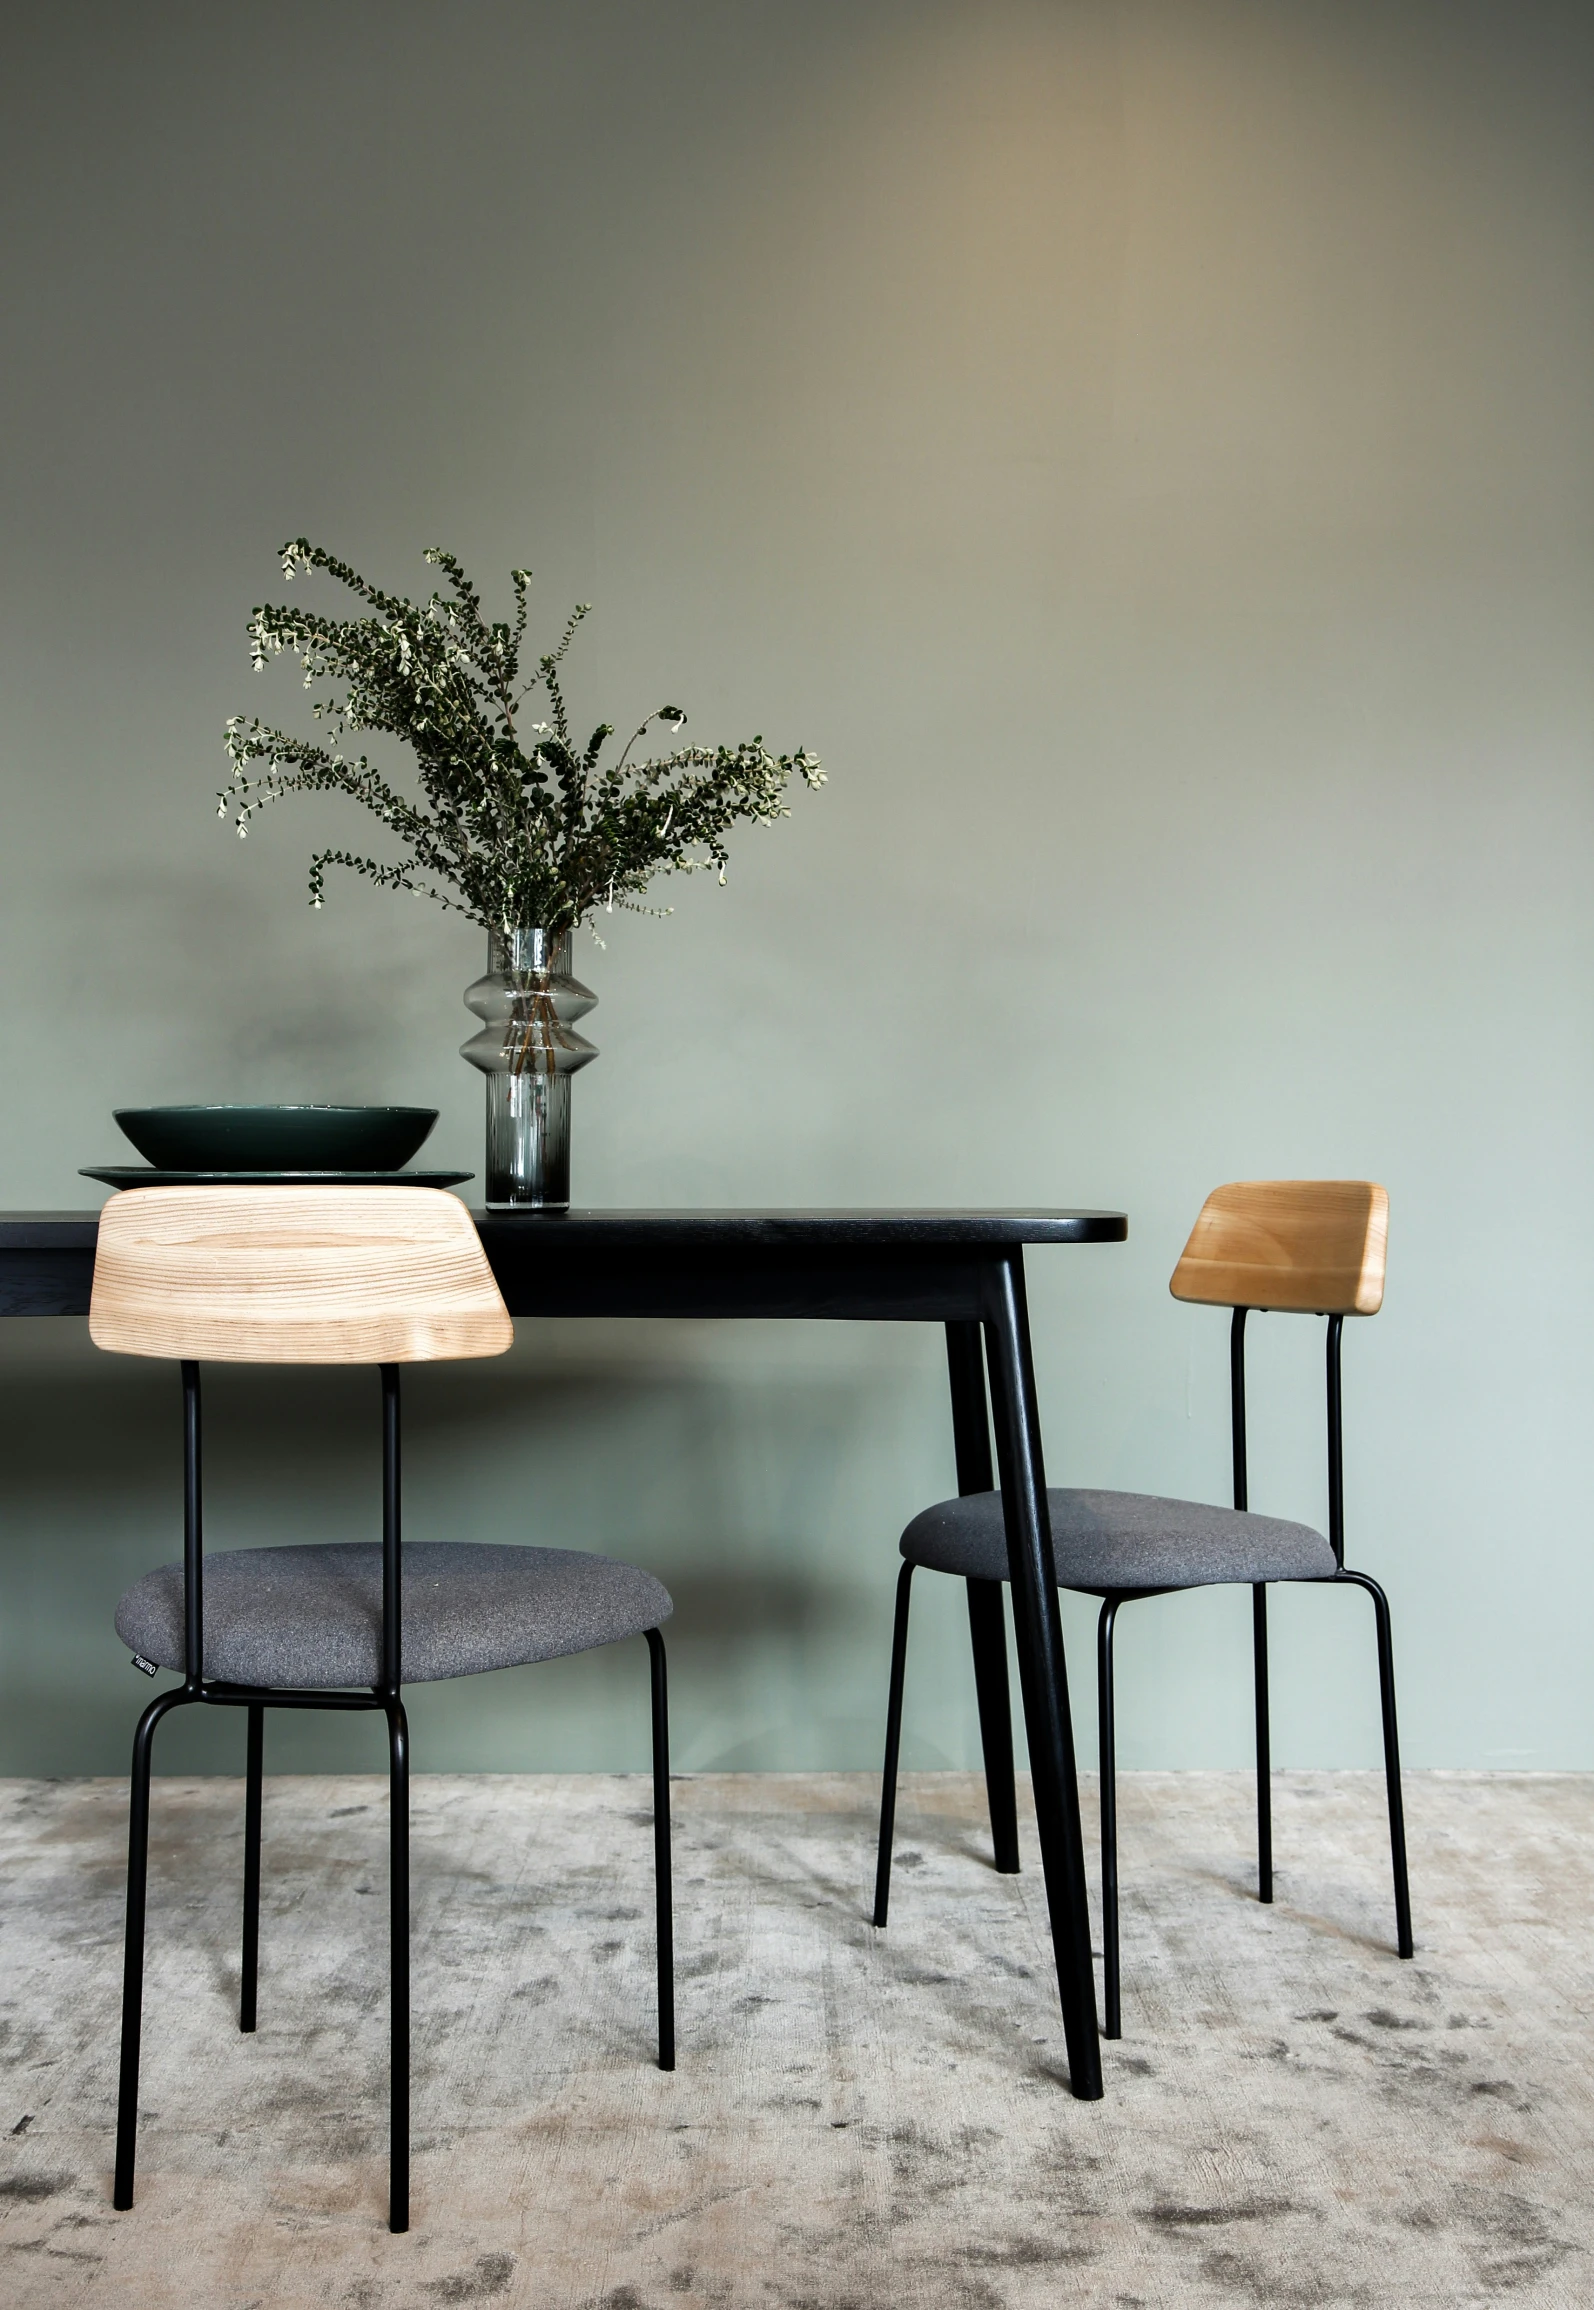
(988, 1633)
(386, 1697)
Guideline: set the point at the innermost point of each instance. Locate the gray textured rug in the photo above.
(1293, 2117)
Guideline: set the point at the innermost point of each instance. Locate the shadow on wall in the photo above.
(291, 1005)
(733, 1606)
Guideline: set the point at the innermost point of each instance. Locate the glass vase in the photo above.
(528, 1049)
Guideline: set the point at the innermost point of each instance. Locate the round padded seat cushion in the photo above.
(1123, 1540)
(311, 1618)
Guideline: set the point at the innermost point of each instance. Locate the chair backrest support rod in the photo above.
(1336, 1449)
(1237, 1404)
(193, 1536)
(392, 1575)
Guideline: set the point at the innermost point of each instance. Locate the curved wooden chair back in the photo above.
(294, 1275)
(1306, 1246)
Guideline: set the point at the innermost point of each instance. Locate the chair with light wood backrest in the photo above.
(1302, 1246)
(335, 1275)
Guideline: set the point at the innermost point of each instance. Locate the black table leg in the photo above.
(971, 1437)
(1043, 1673)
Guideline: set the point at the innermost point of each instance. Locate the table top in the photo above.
(617, 1229)
(889, 1266)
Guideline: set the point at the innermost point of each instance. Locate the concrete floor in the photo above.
(1292, 2118)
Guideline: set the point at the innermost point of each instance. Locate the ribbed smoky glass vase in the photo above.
(528, 1050)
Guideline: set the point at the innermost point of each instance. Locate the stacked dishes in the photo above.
(306, 1146)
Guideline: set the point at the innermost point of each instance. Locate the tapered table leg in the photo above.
(1043, 1674)
(971, 1438)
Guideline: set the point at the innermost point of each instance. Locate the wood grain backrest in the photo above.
(1313, 1246)
(294, 1275)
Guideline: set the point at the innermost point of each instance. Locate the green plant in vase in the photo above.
(514, 823)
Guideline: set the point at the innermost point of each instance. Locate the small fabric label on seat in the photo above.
(148, 1666)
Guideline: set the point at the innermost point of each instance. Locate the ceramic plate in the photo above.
(140, 1175)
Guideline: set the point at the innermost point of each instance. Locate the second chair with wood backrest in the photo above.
(335, 1275)
(1306, 1246)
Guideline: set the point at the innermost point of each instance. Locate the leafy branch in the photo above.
(516, 825)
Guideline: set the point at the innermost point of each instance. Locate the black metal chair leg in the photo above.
(665, 1942)
(1112, 2024)
(1264, 1749)
(133, 1947)
(1397, 1810)
(988, 1637)
(888, 1782)
(253, 1771)
(398, 1736)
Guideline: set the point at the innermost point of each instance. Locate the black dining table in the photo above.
(962, 1269)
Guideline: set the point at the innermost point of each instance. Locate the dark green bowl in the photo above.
(276, 1138)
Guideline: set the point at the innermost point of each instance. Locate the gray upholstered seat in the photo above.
(1119, 1540)
(311, 1618)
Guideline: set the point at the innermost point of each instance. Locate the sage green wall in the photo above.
(1148, 450)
